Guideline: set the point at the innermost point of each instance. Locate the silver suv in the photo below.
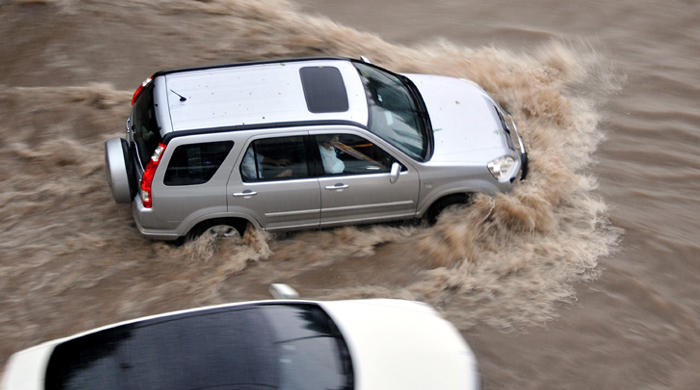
(305, 143)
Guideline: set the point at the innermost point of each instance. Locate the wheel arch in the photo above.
(238, 223)
(438, 205)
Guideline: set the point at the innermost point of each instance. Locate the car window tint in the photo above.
(270, 346)
(196, 163)
(349, 154)
(313, 353)
(324, 89)
(281, 158)
(231, 349)
(394, 114)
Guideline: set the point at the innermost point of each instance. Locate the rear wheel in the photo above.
(219, 228)
(221, 231)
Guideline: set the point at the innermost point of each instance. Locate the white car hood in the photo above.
(403, 345)
(465, 124)
(26, 370)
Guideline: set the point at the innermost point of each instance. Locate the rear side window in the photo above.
(280, 158)
(144, 125)
(196, 163)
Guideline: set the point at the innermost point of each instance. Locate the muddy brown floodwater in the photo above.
(586, 276)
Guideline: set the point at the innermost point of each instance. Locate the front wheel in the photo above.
(441, 204)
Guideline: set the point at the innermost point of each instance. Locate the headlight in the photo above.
(501, 167)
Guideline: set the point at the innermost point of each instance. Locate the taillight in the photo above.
(140, 89)
(147, 178)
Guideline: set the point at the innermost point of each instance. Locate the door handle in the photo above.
(337, 186)
(245, 193)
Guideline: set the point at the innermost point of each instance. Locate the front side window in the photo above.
(281, 158)
(350, 154)
(395, 115)
(145, 126)
(196, 163)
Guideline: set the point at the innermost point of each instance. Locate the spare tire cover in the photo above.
(120, 172)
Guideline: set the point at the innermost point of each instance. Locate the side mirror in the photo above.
(395, 171)
(283, 291)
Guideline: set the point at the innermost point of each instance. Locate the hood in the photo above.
(26, 369)
(465, 124)
(403, 345)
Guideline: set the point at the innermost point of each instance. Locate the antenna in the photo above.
(182, 98)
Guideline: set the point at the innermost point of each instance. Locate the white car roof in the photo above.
(262, 93)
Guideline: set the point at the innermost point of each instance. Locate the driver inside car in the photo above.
(329, 154)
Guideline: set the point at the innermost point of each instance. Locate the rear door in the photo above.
(193, 181)
(273, 182)
(356, 182)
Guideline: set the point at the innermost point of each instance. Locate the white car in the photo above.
(378, 344)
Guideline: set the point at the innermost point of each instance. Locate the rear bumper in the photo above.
(145, 216)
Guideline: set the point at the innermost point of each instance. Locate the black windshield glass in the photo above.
(251, 347)
(313, 354)
(395, 115)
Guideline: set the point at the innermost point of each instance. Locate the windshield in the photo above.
(271, 346)
(144, 125)
(312, 352)
(394, 114)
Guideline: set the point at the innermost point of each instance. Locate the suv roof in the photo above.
(260, 93)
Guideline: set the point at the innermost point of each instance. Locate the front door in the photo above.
(356, 182)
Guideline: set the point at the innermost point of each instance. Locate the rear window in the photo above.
(268, 346)
(145, 126)
(196, 163)
(280, 158)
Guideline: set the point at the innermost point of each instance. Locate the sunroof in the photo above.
(324, 89)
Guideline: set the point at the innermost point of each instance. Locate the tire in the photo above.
(219, 228)
(120, 170)
(441, 204)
